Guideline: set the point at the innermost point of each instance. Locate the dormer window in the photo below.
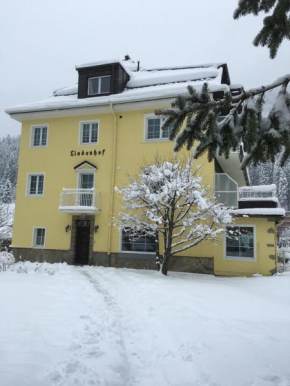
(99, 85)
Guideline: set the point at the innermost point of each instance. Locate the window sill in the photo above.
(89, 144)
(232, 258)
(38, 147)
(38, 246)
(156, 140)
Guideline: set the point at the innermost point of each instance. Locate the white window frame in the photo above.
(134, 252)
(226, 191)
(34, 236)
(99, 87)
(81, 132)
(146, 119)
(238, 258)
(85, 171)
(32, 131)
(28, 184)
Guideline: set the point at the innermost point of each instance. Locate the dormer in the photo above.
(102, 78)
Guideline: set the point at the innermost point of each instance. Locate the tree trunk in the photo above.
(157, 259)
(165, 262)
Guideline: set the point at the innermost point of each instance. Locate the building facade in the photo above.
(86, 139)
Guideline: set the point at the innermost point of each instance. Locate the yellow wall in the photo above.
(56, 162)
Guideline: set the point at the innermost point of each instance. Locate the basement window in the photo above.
(99, 85)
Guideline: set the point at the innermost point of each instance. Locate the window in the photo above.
(226, 190)
(39, 135)
(240, 242)
(99, 85)
(86, 181)
(35, 184)
(137, 243)
(38, 237)
(153, 129)
(89, 133)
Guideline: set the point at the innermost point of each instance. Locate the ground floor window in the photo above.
(137, 243)
(38, 237)
(240, 242)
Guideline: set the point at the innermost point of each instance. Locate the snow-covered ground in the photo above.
(120, 327)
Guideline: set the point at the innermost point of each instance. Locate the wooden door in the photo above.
(82, 242)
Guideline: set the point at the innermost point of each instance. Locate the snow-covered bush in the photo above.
(6, 260)
(169, 201)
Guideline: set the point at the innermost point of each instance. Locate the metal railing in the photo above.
(80, 200)
(257, 192)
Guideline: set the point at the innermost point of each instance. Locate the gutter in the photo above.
(110, 225)
(88, 106)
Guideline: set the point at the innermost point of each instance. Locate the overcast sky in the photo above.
(41, 41)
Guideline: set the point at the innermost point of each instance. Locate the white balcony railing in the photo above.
(261, 193)
(79, 201)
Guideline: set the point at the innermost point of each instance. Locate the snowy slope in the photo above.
(119, 327)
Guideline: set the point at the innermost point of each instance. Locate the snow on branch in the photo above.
(169, 198)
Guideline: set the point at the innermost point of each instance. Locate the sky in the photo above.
(41, 42)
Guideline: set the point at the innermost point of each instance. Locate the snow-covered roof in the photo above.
(259, 212)
(259, 188)
(144, 85)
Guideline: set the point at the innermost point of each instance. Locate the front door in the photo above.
(82, 242)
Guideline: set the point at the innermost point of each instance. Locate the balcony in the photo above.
(263, 196)
(80, 201)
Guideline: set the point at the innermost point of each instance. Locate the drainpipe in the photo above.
(112, 185)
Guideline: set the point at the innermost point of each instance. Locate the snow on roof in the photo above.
(150, 78)
(258, 188)
(143, 85)
(99, 63)
(259, 212)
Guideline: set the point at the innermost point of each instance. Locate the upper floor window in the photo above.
(89, 132)
(240, 242)
(153, 129)
(99, 85)
(35, 184)
(226, 190)
(39, 135)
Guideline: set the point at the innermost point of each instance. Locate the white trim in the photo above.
(236, 258)
(130, 252)
(99, 85)
(60, 112)
(27, 189)
(31, 139)
(145, 139)
(81, 132)
(33, 242)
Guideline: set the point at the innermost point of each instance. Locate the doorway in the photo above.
(82, 248)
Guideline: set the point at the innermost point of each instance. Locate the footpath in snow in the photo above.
(119, 327)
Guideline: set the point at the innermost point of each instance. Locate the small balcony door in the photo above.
(86, 182)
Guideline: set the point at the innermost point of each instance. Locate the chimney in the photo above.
(127, 57)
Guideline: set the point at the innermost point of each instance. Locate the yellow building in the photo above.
(84, 140)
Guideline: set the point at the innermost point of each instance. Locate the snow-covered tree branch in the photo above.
(196, 120)
(169, 201)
